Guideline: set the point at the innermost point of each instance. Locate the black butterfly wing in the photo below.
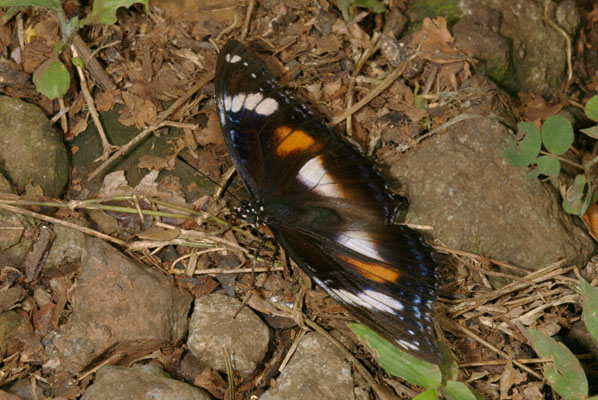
(279, 147)
(326, 204)
(383, 275)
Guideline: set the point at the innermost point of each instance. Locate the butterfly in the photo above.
(326, 204)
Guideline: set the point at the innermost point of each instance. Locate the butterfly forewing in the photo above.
(280, 147)
(326, 204)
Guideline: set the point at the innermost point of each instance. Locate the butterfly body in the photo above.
(326, 204)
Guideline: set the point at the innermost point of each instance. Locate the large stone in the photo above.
(215, 325)
(147, 382)
(14, 246)
(30, 150)
(317, 370)
(459, 184)
(120, 309)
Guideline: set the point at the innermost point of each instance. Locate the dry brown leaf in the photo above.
(535, 109)
(434, 40)
(591, 218)
(79, 125)
(211, 134)
(156, 163)
(138, 112)
(105, 100)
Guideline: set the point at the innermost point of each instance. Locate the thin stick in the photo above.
(493, 348)
(367, 53)
(504, 264)
(160, 122)
(503, 362)
(108, 148)
(225, 271)
(556, 27)
(229, 374)
(389, 80)
(247, 19)
(63, 223)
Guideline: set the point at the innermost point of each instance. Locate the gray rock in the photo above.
(25, 390)
(459, 184)
(120, 309)
(537, 55)
(139, 383)
(567, 16)
(68, 245)
(30, 149)
(14, 247)
(213, 328)
(317, 370)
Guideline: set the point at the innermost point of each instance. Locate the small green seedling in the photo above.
(430, 376)
(566, 375)
(52, 78)
(557, 136)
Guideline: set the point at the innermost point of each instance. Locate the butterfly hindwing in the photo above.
(396, 299)
(326, 204)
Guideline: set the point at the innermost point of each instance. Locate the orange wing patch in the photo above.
(292, 140)
(372, 270)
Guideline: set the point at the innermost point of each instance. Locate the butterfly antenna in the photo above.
(222, 185)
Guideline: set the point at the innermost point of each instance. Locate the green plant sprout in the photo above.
(557, 137)
(52, 78)
(566, 375)
(437, 380)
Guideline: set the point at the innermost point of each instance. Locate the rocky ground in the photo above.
(122, 270)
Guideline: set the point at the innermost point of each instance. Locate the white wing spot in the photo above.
(227, 58)
(253, 75)
(237, 102)
(233, 59)
(353, 299)
(406, 345)
(267, 107)
(384, 299)
(360, 241)
(245, 63)
(252, 100)
(315, 177)
(227, 102)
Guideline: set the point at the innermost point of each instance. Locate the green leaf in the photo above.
(449, 368)
(397, 362)
(566, 376)
(528, 149)
(458, 391)
(548, 165)
(52, 79)
(573, 207)
(373, 5)
(557, 134)
(591, 109)
(420, 102)
(79, 62)
(590, 307)
(55, 4)
(576, 191)
(427, 395)
(104, 11)
(591, 131)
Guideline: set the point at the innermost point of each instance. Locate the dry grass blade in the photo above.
(63, 223)
(488, 345)
(532, 278)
